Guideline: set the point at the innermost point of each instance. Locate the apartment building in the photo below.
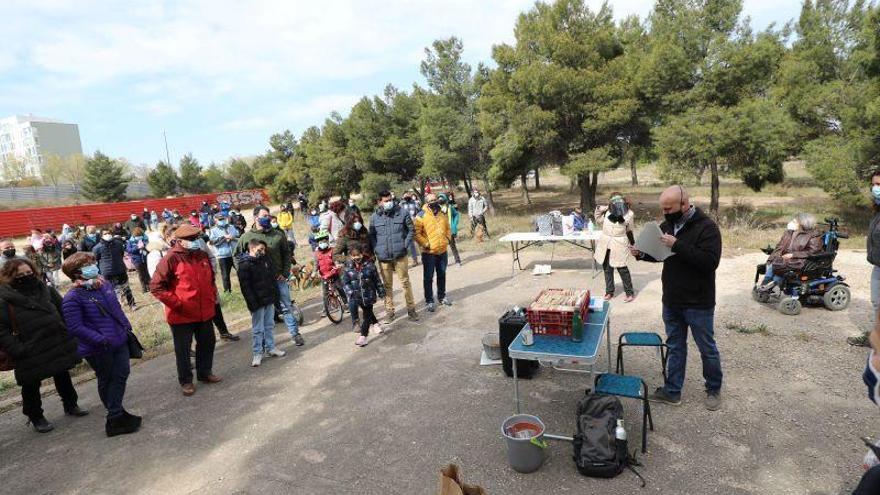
(32, 139)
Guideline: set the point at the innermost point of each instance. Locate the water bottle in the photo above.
(590, 226)
(620, 431)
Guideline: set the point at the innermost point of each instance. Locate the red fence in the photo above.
(20, 222)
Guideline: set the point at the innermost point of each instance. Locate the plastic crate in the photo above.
(557, 321)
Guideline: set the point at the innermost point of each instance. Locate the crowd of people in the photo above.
(178, 259)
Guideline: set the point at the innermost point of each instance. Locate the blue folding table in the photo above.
(558, 350)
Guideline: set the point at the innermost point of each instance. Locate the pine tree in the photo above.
(191, 178)
(105, 180)
(163, 180)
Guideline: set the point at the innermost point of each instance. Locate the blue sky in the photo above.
(220, 76)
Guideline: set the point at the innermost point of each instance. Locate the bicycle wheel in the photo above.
(334, 308)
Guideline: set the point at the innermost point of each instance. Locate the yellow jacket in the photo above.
(285, 220)
(432, 231)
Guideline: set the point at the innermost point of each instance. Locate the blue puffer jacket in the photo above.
(390, 233)
(362, 286)
(95, 318)
(137, 254)
(110, 257)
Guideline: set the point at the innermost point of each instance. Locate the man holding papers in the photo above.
(688, 292)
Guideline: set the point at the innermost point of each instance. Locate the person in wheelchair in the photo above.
(800, 241)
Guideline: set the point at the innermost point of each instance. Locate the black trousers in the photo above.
(609, 276)
(225, 270)
(218, 320)
(32, 403)
(205, 341)
(368, 319)
(120, 285)
(454, 248)
(480, 220)
(143, 276)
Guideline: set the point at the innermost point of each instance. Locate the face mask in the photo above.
(323, 245)
(388, 205)
(9, 253)
(323, 208)
(27, 283)
(357, 225)
(435, 207)
(92, 236)
(195, 245)
(107, 237)
(274, 225)
(351, 203)
(792, 225)
(875, 192)
(674, 217)
(259, 254)
(89, 272)
(264, 222)
(222, 223)
(134, 217)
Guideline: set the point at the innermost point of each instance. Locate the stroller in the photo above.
(817, 283)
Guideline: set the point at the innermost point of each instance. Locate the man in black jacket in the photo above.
(688, 294)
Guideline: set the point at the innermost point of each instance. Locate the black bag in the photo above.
(597, 452)
(509, 326)
(135, 348)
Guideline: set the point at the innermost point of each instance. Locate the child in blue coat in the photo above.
(362, 285)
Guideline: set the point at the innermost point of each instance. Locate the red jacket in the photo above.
(184, 283)
(326, 266)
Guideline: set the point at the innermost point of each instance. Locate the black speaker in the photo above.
(509, 326)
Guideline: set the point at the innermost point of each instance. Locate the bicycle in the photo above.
(334, 308)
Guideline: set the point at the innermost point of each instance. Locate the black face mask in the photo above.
(674, 217)
(435, 207)
(9, 253)
(26, 284)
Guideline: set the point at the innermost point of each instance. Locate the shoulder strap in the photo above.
(104, 311)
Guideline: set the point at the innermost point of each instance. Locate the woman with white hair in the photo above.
(801, 240)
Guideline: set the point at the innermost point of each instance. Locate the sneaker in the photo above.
(629, 298)
(713, 400)
(389, 317)
(378, 328)
(445, 302)
(609, 297)
(258, 359)
(276, 353)
(361, 341)
(41, 424)
(660, 395)
(229, 337)
(413, 316)
(859, 340)
(298, 339)
(430, 307)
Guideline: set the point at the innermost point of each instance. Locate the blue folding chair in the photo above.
(632, 387)
(641, 339)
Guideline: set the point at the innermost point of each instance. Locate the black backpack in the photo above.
(597, 453)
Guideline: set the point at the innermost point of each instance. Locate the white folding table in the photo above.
(522, 240)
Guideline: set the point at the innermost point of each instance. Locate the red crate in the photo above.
(556, 322)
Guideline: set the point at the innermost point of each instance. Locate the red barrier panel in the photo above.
(20, 222)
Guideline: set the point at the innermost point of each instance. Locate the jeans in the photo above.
(875, 289)
(112, 368)
(205, 341)
(32, 403)
(353, 310)
(609, 276)
(286, 310)
(263, 325)
(225, 270)
(434, 263)
(399, 267)
(121, 287)
(769, 275)
(413, 252)
(700, 321)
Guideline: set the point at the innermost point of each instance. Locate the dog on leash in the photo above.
(304, 276)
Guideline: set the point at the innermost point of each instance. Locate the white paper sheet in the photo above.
(649, 243)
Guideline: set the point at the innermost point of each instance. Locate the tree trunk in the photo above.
(587, 184)
(489, 196)
(716, 184)
(468, 187)
(537, 179)
(633, 170)
(423, 182)
(525, 189)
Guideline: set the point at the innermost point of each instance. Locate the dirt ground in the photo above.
(331, 418)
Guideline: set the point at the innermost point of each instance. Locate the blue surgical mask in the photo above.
(388, 205)
(323, 245)
(89, 272)
(221, 223)
(265, 222)
(875, 192)
(357, 225)
(195, 245)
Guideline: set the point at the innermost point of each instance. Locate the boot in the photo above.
(41, 424)
(75, 411)
(135, 420)
(120, 425)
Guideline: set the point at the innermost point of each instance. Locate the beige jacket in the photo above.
(613, 238)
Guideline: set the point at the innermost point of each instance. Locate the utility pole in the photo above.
(167, 156)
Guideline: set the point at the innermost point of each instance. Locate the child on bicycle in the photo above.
(327, 267)
(363, 286)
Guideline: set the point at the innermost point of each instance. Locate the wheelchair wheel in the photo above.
(334, 308)
(760, 296)
(837, 298)
(789, 306)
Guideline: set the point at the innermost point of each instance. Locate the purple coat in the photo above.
(97, 329)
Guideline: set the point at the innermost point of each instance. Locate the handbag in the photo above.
(6, 362)
(135, 348)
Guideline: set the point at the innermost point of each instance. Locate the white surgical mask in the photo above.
(323, 245)
(106, 237)
(274, 225)
(357, 225)
(792, 225)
